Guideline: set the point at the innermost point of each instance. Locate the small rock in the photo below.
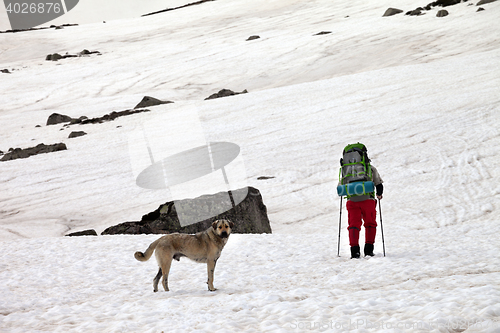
(480, 9)
(6, 71)
(323, 33)
(265, 177)
(225, 93)
(148, 101)
(57, 118)
(253, 37)
(53, 57)
(90, 232)
(442, 13)
(76, 134)
(392, 11)
(416, 12)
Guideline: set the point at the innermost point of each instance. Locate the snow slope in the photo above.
(421, 92)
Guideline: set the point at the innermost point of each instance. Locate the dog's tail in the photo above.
(149, 252)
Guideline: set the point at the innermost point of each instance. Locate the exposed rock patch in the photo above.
(253, 37)
(27, 152)
(175, 8)
(225, 93)
(483, 2)
(41, 28)
(107, 117)
(57, 56)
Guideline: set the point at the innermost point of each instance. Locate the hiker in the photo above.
(361, 206)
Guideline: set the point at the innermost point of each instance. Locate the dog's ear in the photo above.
(231, 224)
(214, 225)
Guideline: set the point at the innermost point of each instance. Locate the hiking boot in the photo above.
(355, 252)
(369, 250)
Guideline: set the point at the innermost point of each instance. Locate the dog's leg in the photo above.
(156, 280)
(210, 270)
(165, 267)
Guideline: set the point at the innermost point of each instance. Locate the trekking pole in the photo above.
(381, 225)
(340, 220)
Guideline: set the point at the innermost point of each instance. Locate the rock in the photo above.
(1, 152)
(79, 120)
(253, 37)
(6, 71)
(76, 134)
(442, 13)
(90, 232)
(150, 101)
(57, 118)
(392, 11)
(416, 12)
(249, 216)
(175, 8)
(107, 117)
(27, 152)
(483, 2)
(480, 9)
(86, 52)
(53, 57)
(225, 93)
(265, 177)
(323, 33)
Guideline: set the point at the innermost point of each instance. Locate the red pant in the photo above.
(358, 211)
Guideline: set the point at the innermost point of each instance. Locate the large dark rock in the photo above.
(225, 93)
(249, 216)
(392, 11)
(150, 101)
(27, 152)
(57, 118)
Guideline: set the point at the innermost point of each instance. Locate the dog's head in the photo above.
(222, 228)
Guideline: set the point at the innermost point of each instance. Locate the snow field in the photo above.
(420, 92)
(265, 283)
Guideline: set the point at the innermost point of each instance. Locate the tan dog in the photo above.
(203, 247)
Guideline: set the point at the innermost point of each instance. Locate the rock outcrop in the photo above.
(27, 152)
(249, 216)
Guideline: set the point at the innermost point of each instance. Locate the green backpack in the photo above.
(355, 168)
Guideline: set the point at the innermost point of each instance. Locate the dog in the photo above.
(203, 247)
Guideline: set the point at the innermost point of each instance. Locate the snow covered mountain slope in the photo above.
(421, 92)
